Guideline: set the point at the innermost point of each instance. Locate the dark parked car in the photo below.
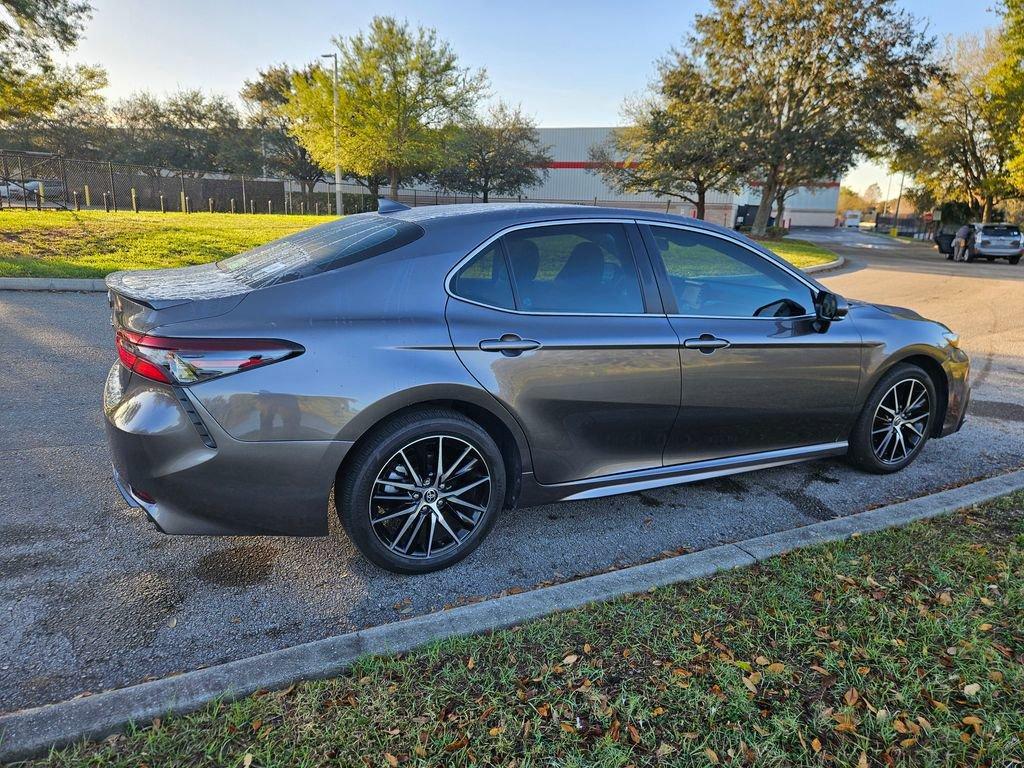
(435, 366)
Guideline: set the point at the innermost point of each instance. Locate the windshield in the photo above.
(321, 249)
(1001, 230)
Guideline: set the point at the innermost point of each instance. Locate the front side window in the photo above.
(713, 277)
(574, 268)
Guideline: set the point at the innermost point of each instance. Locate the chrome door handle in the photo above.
(706, 343)
(509, 344)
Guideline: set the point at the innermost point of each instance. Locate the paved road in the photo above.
(91, 597)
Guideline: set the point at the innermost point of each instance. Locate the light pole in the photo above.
(337, 161)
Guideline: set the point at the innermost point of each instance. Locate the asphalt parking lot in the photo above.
(91, 597)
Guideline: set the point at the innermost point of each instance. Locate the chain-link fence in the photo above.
(38, 180)
(34, 180)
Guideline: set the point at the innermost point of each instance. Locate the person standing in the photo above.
(962, 242)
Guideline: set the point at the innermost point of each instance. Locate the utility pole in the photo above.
(337, 161)
(896, 217)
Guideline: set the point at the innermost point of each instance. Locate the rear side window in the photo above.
(574, 268)
(321, 249)
(485, 279)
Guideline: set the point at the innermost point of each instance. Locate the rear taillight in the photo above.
(187, 361)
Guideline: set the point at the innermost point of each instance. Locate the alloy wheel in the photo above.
(429, 497)
(900, 421)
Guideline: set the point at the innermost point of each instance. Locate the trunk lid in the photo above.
(142, 300)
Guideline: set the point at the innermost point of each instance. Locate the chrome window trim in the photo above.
(784, 267)
(531, 225)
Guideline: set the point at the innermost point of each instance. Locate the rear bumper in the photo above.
(211, 484)
(999, 253)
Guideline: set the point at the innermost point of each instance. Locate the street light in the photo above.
(337, 160)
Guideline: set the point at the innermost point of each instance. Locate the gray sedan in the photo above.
(435, 366)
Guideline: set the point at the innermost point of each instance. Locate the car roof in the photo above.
(502, 215)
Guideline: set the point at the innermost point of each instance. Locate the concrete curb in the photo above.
(52, 284)
(32, 732)
(839, 262)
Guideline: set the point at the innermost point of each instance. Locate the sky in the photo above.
(566, 62)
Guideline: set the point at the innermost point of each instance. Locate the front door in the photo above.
(757, 375)
(562, 323)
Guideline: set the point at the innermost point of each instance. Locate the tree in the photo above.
(30, 32)
(851, 201)
(187, 130)
(959, 144)
(816, 82)
(1005, 83)
(265, 98)
(872, 195)
(499, 153)
(399, 89)
(666, 149)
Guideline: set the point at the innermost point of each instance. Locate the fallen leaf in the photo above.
(945, 598)
(497, 730)
(570, 659)
(697, 637)
(863, 761)
(392, 760)
(544, 710)
(712, 755)
(777, 668)
(851, 697)
(816, 744)
(470, 664)
(972, 689)
(247, 760)
(762, 661)
(567, 727)
(634, 734)
(665, 749)
(986, 627)
(995, 676)
(458, 744)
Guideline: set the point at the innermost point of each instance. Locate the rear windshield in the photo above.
(321, 249)
(1011, 230)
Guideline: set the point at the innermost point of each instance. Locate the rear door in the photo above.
(756, 374)
(562, 323)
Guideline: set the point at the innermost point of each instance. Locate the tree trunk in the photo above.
(701, 204)
(374, 186)
(764, 208)
(986, 211)
(485, 191)
(780, 207)
(394, 183)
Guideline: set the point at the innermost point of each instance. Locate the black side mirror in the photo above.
(829, 307)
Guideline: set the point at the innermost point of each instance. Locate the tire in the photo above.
(990, 259)
(866, 437)
(1015, 260)
(386, 454)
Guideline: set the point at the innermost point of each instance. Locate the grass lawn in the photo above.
(800, 253)
(95, 243)
(900, 648)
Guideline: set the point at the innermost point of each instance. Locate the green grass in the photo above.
(95, 243)
(799, 253)
(900, 648)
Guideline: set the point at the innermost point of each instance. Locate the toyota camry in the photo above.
(435, 366)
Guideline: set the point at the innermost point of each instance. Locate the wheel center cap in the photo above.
(430, 496)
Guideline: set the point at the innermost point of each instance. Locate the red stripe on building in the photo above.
(580, 164)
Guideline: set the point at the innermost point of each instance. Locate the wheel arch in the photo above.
(931, 366)
(475, 405)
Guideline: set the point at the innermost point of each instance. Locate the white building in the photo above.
(572, 178)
